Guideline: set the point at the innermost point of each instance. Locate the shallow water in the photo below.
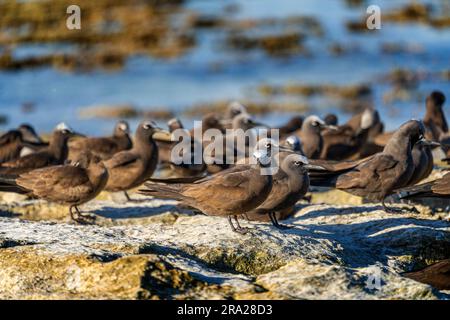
(192, 78)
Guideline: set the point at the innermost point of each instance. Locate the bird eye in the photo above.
(297, 163)
(146, 126)
(315, 124)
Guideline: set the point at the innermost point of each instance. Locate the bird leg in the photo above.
(129, 199)
(78, 217)
(274, 220)
(239, 229)
(127, 196)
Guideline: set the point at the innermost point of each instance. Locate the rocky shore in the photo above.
(152, 249)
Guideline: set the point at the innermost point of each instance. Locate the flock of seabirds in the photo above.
(358, 157)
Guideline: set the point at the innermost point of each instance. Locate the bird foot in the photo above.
(241, 230)
(411, 209)
(81, 218)
(84, 220)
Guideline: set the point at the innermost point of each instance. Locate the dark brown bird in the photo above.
(209, 121)
(381, 174)
(54, 154)
(311, 136)
(439, 188)
(72, 185)
(230, 193)
(294, 124)
(436, 275)
(434, 119)
(103, 147)
(165, 147)
(423, 160)
(331, 119)
(170, 149)
(18, 142)
(290, 184)
(129, 169)
(347, 140)
(435, 123)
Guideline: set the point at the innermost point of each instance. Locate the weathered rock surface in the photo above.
(153, 249)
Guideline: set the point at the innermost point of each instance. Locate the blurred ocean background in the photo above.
(210, 70)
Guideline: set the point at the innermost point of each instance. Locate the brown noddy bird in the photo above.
(436, 275)
(231, 192)
(381, 174)
(294, 124)
(233, 109)
(129, 169)
(103, 147)
(165, 147)
(331, 119)
(347, 140)
(290, 184)
(54, 154)
(434, 119)
(423, 160)
(311, 136)
(190, 169)
(70, 184)
(14, 143)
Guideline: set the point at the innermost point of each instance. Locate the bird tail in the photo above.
(422, 190)
(8, 184)
(164, 191)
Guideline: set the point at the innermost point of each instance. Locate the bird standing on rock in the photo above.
(290, 184)
(70, 184)
(230, 193)
(129, 169)
(380, 175)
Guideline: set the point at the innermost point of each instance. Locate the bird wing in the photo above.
(122, 159)
(279, 193)
(31, 161)
(230, 188)
(95, 145)
(58, 183)
(367, 172)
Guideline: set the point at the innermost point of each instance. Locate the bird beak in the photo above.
(430, 143)
(75, 134)
(225, 122)
(285, 149)
(162, 135)
(330, 127)
(314, 167)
